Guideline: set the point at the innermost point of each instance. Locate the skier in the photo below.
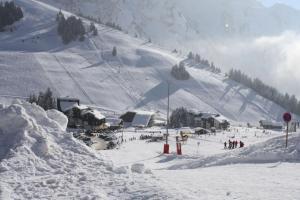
(225, 145)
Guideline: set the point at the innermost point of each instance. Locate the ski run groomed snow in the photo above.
(34, 58)
(39, 159)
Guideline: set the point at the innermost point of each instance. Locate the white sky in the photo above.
(293, 3)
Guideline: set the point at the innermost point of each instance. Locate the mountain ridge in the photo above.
(177, 21)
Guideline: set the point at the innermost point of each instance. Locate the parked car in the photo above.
(201, 131)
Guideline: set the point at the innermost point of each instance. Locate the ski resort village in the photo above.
(120, 100)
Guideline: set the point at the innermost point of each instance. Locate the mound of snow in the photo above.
(270, 151)
(40, 160)
(59, 118)
(17, 127)
(138, 168)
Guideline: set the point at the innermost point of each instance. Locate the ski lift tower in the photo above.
(166, 145)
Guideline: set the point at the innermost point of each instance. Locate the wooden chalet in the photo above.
(209, 121)
(81, 116)
(265, 124)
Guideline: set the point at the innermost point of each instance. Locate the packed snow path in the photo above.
(264, 169)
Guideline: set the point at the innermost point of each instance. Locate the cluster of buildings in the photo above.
(84, 117)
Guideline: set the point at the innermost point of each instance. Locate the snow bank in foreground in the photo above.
(26, 125)
(40, 160)
(270, 151)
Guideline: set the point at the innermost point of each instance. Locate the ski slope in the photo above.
(175, 23)
(33, 58)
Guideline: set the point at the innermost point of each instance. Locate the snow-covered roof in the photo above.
(95, 113)
(160, 121)
(82, 107)
(270, 123)
(207, 115)
(221, 118)
(218, 117)
(142, 118)
(113, 121)
(66, 105)
(143, 112)
(185, 129)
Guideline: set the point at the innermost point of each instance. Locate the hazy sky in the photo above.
(293, 3)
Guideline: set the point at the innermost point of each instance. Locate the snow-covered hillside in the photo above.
(34, 58)
(241, 34)
(179, 23)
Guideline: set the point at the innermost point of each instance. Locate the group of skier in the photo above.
(233, 144)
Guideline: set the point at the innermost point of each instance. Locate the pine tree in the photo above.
(179, 72)
(191, 55)
(70, 29)
(114, 51)
(32, 98)
(44, 99)
(9, 13)
(95, 32)
(288, 102)
(81, 38)
(180, 117)
(92, 27)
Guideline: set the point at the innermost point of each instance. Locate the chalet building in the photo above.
(64, 104)
(265, 124)
(293, 125)
(201, 131)
(93, 119)
(74, 116)
(128, 118)
(138, 119)
(81, 116)
(209, 121)
(114, 123)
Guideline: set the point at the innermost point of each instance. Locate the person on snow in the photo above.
(241, 144)
(225, 145)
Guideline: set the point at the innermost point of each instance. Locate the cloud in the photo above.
(273, 59)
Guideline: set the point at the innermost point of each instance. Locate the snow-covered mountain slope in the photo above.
(179, 23)
(33, 58)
